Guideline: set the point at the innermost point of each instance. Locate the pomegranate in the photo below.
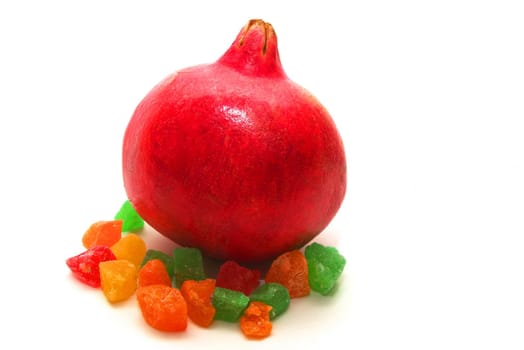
(233, 157)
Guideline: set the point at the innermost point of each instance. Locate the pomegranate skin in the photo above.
(233, 157)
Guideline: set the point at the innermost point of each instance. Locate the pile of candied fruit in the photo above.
(170, 289)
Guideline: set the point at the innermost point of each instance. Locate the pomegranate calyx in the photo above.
(265, 26)
(255, 51)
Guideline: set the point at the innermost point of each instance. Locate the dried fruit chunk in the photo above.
(132, 220)
(229, 304)
(290, 270)
(168, 260)
(153, 272)
(85, 266)
(104, 233)
(198, 298)
(255, 322)
(189, 265)
(130, 247)
(274, 295)
(233, 276)
(163, 307)
(118, 279)
(325, 266)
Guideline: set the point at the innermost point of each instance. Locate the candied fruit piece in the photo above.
(198, 298)
(325, 266)
(153, 272)
(233, 276)
(104, 233)
(168, 260)
(189, 265)
(274, 295)
(130, 247)
(163, 307)
(290, 270)
(85, 266)
(118, 279)
(229, 304)
(132, 220)
(255, 322)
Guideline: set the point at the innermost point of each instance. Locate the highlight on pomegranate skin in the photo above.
(233, 157)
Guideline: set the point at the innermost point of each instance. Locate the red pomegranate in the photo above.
(233, 157)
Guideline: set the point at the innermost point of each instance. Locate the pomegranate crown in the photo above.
(255, 51)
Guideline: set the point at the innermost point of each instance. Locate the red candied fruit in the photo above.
(235, 277)
(85, 265)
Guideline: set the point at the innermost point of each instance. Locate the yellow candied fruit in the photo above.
(118, 279)
(130, 247)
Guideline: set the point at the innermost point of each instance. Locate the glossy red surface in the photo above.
(233, 157)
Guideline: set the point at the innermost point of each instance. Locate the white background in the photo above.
(428, 97)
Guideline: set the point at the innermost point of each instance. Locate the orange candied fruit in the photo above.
(198, 298)
(163, 307)
(104, 233)
(130, 247)
(255, 322)
(290, 270)
(153, 272)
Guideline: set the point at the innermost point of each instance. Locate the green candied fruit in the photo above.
(274, 295)
(325, 266)
(132, 222)
(229, 304)
(168, 260)
(189, 265)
